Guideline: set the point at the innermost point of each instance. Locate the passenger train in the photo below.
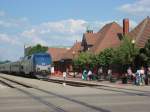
(37, 65)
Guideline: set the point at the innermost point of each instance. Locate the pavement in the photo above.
(53, 97)
(118, 84)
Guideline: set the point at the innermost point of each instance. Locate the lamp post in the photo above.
(73, 53)
(133, 43)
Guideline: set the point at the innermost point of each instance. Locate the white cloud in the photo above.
(138, 7)
(70, 26)
(14, 22)
(5, 38)
(6, 24)
(51, 33)
(48, 32)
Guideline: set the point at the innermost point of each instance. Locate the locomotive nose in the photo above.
(43, 68)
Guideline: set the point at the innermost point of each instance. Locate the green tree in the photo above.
(83, 60)
(126, 53)
(104, 58)
(6, 61)
(37, 49)
(144, 55)
(86, 59)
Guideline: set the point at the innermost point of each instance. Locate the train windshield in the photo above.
(42, 59)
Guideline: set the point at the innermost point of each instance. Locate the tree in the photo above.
(37, 49)
(86, 59)
(83, 60)
(6, 61)
(126, 53)
(144, 55)
(104, 58)
(122, 56)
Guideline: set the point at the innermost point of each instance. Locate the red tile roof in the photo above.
(107, 37)
(73, 52)
(141, 33)
(90, 38)
(57, 53)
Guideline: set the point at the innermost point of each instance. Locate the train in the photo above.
(37, 65)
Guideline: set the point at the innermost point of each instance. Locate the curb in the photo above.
(77, 82)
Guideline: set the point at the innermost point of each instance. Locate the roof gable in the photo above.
(57, 53)
(108, 37)
(141, 33)
(73, 52)
(89, 38)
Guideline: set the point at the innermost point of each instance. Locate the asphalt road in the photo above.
(51, 97)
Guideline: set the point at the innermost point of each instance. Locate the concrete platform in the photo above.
(74, 99)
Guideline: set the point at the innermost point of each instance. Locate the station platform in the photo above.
(77, 80)
(117, 84)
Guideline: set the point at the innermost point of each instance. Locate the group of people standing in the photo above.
(140, 77)
(99, 74)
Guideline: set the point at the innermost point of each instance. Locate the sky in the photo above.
(60, 22)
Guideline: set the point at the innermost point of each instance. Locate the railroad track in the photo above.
(20, 87)
(56, 108)
(94, 86)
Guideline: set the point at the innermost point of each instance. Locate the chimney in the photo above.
(125, 26)
(89, 31)
(76, 41)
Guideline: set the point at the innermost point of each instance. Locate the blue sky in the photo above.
(60, 22)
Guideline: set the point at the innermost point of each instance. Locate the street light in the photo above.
(133, 41)
(73, 53)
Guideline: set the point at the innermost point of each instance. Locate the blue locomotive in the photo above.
(37, 65)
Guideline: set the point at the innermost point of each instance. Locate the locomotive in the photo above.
(36, 65)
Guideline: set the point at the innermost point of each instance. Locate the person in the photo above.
(129, 73)
(109, 72)
(52, 70)
(84, 75)
(133, 78)
(64, 75)
(67, 71)
(100, 73)
(142, 72)
(90, 74)
(147, 76)
(94, 73)
(138, 77)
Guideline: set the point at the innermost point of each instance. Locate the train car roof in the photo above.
(41, 54)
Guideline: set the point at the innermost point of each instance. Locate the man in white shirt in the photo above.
(90, 75)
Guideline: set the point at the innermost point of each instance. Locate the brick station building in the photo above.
(57, 54)
(109, 36)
